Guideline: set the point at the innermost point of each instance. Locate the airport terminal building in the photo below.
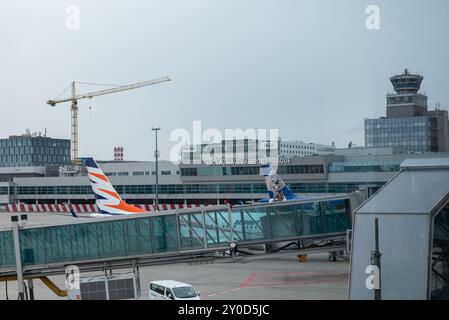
(345, 171)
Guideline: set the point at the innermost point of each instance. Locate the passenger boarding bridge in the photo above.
(180, 235)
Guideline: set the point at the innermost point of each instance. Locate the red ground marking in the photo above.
(264, 279)
(248, 280)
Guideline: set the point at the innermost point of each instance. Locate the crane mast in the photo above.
(74, 126)
(74, 108)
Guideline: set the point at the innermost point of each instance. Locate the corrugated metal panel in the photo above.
(403, 242)
(410, 192)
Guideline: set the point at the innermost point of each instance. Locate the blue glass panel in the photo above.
(7, 258)
(237, 225)
(58, 244)
(283, 221)
(164, 233)
(219, 228)
(111, 239)
(255, 223)
(192, 235)
(138, 236)
(32, 246)
(336, 217)
(84, 241)
(309, 221)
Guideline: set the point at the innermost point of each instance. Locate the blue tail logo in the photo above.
(276, 187)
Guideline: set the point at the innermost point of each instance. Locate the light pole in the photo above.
(156, 155)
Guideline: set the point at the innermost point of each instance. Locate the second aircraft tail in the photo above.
(276, 187)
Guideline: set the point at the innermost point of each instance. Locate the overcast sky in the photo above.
(310, 68)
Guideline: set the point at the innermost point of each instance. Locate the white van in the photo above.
(172, 290)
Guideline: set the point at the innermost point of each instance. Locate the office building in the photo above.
(31, 150)
(288, 149)
(247, 151)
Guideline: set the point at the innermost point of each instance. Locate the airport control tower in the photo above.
(409, 126)
(406, 102)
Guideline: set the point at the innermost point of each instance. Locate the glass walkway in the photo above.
(185, 230)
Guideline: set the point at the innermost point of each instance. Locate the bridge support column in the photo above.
(19, 270)
(31, 288)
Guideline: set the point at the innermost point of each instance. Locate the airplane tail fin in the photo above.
(276, 187)
(73, 213)
(289, 195)
(108, 200)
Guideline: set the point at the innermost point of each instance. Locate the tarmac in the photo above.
(38, 219)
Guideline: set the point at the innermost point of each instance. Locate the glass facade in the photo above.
(212, 171)
(146, 189)
(7, 258)
(229, 151)
(410, 134)
(402, 99)
(238, 188)
(301, 169)
(249, 170)
(368, 166)
(331, 187)
(137, 235)
(29, 151)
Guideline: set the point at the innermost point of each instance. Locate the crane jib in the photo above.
(111, 90)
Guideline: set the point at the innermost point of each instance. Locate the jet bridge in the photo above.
(179, 235)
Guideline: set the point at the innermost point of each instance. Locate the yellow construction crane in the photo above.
(74, 109)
